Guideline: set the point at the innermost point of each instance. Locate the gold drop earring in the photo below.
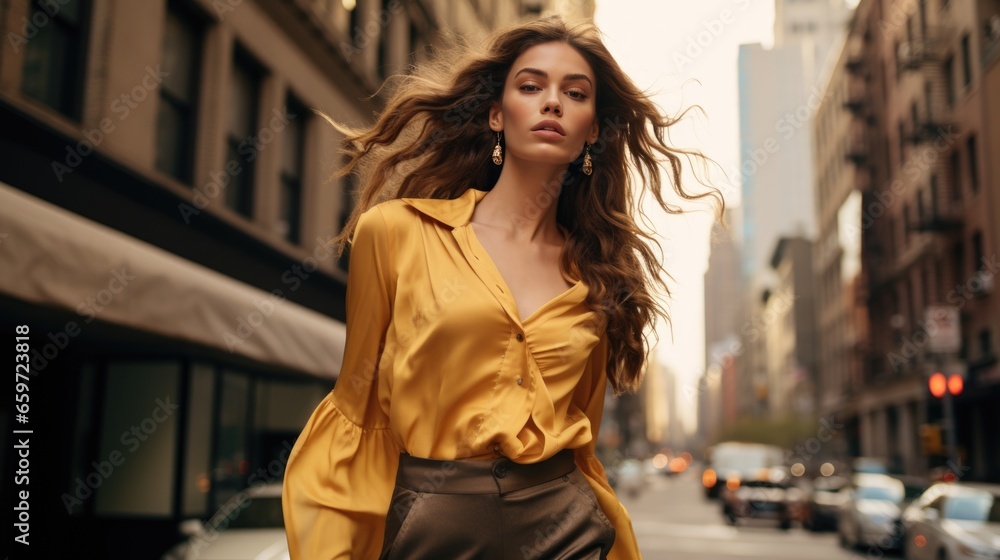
(498, 151)
(588, 164)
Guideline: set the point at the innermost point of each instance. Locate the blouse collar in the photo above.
(454, 212)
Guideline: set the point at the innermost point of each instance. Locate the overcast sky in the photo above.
(688, 52)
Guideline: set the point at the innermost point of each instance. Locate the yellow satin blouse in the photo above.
(439, 364)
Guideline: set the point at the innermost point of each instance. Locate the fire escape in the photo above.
(931, 126)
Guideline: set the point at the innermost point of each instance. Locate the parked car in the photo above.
(248, 527)
(631, 477)
(737, 460)
(768, 495)
(870, 510)
(823, 503)
(953, 521)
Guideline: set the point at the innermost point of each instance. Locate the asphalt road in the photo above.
(673, 521)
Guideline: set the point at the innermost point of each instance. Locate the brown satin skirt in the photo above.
(494, 510)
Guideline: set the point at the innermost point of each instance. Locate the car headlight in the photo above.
(975, 552)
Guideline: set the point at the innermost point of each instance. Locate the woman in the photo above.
(493, 295)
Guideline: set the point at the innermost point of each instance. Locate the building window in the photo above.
(907, 225)
(349, 186)
(949, 80)
(54, 58)
(928, 108)
(290, 201)
(977, 251)
(353, 22)
(145, 484)
(241, 151)
(902, 141)
(959, 263)
(956, 175)
(970, 149)
(920, 207)
(175, 119)
(384, 43)
(966, 61)
(231, 464)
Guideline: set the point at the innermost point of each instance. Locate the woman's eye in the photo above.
(577, 94)
(526, 86)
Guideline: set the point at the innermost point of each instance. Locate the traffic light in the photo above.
(955, 384)
(939, 384)
(930, 439)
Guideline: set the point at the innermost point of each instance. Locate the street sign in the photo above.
(943, 329)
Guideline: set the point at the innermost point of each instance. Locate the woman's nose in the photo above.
(552, 105)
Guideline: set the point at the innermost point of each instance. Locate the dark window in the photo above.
(383, 43)
(933, 194)
(977, 251)
(54, 57)
(955, 168)
(348, 187)
(241, 143)
(949, 80)
(985, 342)
(959, 262)
(902, 141)
(906, 223)
(290, 202)
(414, 42)
(925, 285)
(354, 25)
(231, 461)
(175, 119)
(920, 207)
(927, 102)
(923, 18)
(966, 61)
(970, 149)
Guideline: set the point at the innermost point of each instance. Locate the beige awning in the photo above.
(54, 257)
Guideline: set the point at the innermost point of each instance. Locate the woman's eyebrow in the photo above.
(545, 74)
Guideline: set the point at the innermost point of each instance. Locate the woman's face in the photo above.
(547, 110)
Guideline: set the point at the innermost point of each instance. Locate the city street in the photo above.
(673, 520)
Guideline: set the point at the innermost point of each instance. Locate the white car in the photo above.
(250, 526)
(953, 521)
(631, 477)
(871, 508)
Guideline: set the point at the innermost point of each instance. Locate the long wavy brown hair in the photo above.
(433, 140)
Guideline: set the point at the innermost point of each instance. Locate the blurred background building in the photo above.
(894, 184)
(164, 211)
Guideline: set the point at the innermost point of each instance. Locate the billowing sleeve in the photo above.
(342, 468)
(626, 546)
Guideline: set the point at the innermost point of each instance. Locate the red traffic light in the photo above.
(938, 384)
(955, 384)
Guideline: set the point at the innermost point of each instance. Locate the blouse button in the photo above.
(520, 380)
(519, 337)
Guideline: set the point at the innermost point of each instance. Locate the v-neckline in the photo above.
(510, 293)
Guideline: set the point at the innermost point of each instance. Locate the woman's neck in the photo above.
(523, 202)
